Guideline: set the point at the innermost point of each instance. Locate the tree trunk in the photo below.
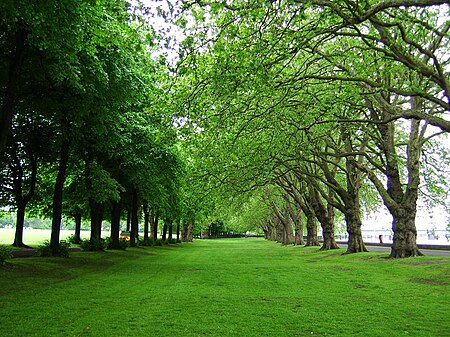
(128, 220)
(115, 224)
(405, 234)
(134, 230)
(311, 225)
(170, 226)
(58, 196)
(77, 217)
(164, 233)
(22, 201)
(355, 241)
(311, 231)
(155, 221)
(325, 218)
(96, 210)
(178, 230)
(15, 63)
(187, 231)
(146, 223)
(20, 219)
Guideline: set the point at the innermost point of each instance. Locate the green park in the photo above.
(224, 168)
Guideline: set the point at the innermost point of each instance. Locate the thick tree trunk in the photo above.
(96, 210)
(325, 217)
(187, 231)
(77, 217)
(354, 223)
(58, 196)
(115, 224)
(405, 234)
(288, 233)
(328, 236)
(15, 63)
(178, 230)
(134, 229)
(311, 231)
(20, 219)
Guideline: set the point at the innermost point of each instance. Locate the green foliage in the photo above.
(5, 254)
(147, 243)
(159, 242)
(123, 244)
(93, 245)
(73, 239)
(61, 251)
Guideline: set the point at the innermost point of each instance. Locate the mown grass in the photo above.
(231, 287)
(35, 237)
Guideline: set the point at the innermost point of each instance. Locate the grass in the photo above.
(231, 287)
(34, 237)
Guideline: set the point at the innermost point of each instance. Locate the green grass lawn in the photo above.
(231, 287)
(35, 237)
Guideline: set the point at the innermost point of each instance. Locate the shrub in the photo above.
(123, 244)
(172, 241)
(93, 245)
(147, 242)
(61, 251)
(159, 242)
(5, 254)
(73, 239)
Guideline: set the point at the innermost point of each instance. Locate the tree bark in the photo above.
(146, 224)
(77, 217)
(23, 200)
(405, 235)
(355, 241)
(311, 231)
(115, 224)
(96, 210)
(134, 232)
(400, 201)
(164, 233)
(155, 221)
(15, 63)
(187, 231)
(128, 220)
(170, 227)
(311, 225)
(58, 196)
(325, 218)
(20, 219)
(178, 230)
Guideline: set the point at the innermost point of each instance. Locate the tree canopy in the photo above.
(225, 115)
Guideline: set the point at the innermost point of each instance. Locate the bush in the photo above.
(148, 242)
(5, 254)
(73, 239)
(61, 251)
(159, 242)
(93, 245)
(123, 244)
(172, 241)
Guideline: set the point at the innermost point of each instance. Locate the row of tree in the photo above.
(320, 108)
(86, 129)
(281, 111)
